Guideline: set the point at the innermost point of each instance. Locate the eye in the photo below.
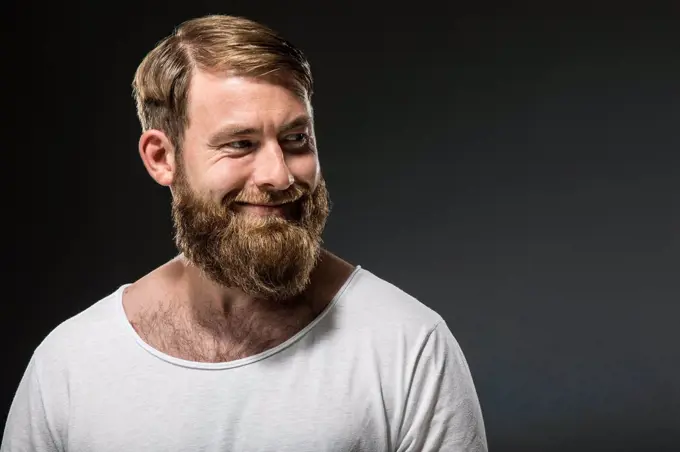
(241, 145)
(295, 140)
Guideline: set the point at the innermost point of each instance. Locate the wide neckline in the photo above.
(122, 317)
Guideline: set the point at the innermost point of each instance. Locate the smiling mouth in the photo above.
(278, 209)
(240, 203)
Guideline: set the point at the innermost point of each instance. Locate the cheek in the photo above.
(305, 168)
(223, 177)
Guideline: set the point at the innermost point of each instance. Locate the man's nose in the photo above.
(271, 171)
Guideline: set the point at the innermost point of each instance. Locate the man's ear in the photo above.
(158, 155)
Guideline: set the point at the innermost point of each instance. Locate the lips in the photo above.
(279, 209)
(240, 203)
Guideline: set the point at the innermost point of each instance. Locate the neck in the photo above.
(179, 311)
(208, 299)
(203, 294)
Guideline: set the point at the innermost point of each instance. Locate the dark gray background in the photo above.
(516, 170)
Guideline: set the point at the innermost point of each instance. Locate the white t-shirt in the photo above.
(376, 371)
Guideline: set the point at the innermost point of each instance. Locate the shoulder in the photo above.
(373, 302)
(80, 336)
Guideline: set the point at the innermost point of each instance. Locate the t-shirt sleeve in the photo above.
(30, 425)
(442, 408)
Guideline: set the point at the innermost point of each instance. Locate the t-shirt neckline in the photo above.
(122, 317)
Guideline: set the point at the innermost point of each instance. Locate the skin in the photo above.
(243, 134)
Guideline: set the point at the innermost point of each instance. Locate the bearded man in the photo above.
(254, 338)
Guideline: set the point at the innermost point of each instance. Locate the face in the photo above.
(249, 202)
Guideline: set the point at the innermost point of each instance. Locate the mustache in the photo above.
(272, 198)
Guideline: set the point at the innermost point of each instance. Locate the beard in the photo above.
(267, 257)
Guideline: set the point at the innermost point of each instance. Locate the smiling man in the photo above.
(254, 338)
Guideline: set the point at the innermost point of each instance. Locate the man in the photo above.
(254, 338)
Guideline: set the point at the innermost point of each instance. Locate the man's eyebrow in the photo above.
(230, 131)
(299, 122)
(235, 130)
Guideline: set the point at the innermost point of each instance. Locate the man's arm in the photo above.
(29, 426)
(442, 408)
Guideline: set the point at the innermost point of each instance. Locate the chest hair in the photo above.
(218, 337)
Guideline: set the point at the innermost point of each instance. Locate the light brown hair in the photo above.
(229, 44)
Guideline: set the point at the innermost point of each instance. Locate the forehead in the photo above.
(218, 97)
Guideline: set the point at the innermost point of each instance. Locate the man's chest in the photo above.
(294, 412)
(220, 339)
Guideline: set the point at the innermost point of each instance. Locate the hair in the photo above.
(234, 45)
